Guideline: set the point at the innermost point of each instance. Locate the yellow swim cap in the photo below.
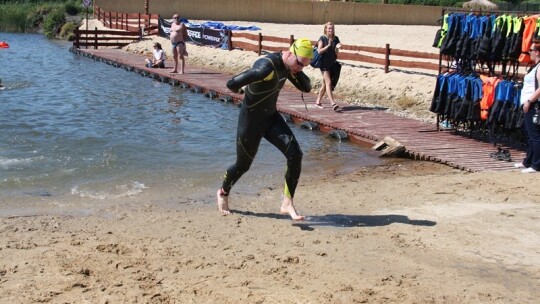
(302, 47)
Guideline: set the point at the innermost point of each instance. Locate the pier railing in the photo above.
(109, 38)
(374, 55)
(387, 57)
(147, 24)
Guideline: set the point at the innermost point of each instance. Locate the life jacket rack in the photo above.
(480, 50)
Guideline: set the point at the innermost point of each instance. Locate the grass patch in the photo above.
(27, 16)
(405, 102)
(66, 32)
(15, 17)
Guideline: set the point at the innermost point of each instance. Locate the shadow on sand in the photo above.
(342, 220)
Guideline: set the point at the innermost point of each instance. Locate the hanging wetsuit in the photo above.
(259, 118)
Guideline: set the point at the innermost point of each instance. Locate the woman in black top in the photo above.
(328, 47)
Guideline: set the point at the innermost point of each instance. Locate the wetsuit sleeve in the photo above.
(301, 81)
(260, 70)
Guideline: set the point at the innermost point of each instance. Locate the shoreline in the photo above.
(406, 232)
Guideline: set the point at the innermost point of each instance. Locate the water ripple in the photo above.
(71, 125)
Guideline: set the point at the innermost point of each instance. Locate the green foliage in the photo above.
(26, 15)
(67, 29)
(13, 17)
(19, 2)
(53, 22)
(71, 9)
(32, 16)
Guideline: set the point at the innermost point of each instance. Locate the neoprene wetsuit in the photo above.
(259, 118)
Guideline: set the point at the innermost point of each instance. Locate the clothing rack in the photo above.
(513, 64)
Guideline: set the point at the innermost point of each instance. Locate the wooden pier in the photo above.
(422, 141)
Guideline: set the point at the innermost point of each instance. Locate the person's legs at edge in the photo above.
(247, 144)
(528, 126)
(322, 90)
(175, 58)
(328, 86)
(533, 131)
(280, 135)
(180, 50)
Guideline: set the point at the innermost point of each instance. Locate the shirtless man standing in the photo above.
(178, 37)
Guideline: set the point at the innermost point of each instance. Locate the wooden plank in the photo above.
(90, 38)
(108, 32)
(362, 58)
(414, 54)
(414, 64)
(245, 46)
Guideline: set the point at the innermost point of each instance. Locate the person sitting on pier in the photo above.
(158, 58)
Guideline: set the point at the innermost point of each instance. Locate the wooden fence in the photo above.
(96, 38)
(145, 23)
(257, 42)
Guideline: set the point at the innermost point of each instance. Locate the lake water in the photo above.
(78, 133)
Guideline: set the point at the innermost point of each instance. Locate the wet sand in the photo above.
(407, 232)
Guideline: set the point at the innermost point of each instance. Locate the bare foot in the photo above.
(223, 203)
(288, 208)
(173, 72)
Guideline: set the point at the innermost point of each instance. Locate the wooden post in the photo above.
(110, 20)
(76, 42)
(139, 21)
(95, 38)
(260, 44)
(291, 40)
(387, 58)
(116, 20)
(229, 42)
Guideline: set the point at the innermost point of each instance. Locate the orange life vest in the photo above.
(530, 26)
(488, 95)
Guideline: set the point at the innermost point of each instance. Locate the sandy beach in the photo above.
(403, 232)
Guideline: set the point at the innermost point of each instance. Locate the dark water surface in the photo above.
(73, 129)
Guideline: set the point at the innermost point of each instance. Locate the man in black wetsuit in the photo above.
(259, 118)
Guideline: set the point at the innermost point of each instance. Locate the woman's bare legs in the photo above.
(326, 88)
(327, 82)
(321, 92)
